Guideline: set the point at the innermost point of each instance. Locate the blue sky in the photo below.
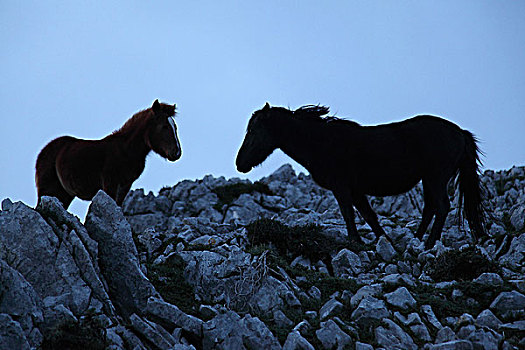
(82, 69)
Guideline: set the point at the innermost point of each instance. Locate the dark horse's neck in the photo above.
(303, 141)
(132, 136)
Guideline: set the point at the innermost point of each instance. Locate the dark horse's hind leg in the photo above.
(428, 212)
(442, 206)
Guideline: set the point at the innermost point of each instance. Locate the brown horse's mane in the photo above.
(137, 122)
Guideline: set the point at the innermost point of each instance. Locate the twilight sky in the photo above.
(82, 69)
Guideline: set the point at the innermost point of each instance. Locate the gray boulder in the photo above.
(118, 256)
(52, 257)
(332, 336)
(487, 319)
(295, 341)
(230, 331)
(454, 345)
(154, 333)
(11, 334)
(416, 325)
(171, 316)
(514, 257)
(401, 298)
(368, 309)
(517, 218)
(346, 262)
(490, 279)
(509, 304)
(18, 299)
(385, 249)
(331, 308)
(392, 336)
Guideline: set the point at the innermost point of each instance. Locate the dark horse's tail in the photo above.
(470, 189)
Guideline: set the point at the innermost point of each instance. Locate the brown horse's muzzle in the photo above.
(173, 156)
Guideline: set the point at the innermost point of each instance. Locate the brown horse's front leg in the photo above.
(122, 191)
(115, 190)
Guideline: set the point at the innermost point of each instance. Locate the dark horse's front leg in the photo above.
(344, 200)
(364, 208)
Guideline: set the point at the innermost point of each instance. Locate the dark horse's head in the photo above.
(162, 134)
(259, 141)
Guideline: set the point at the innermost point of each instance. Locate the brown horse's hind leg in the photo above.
(49, 185)
(47, 182)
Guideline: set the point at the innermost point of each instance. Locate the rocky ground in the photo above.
(230, 264)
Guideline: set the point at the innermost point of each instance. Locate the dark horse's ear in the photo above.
(266, 107)
(156, 106)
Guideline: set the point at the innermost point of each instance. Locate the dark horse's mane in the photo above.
(316, 113)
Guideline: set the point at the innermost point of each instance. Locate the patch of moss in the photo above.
(438, 300)
(228, 193)
(443, 305)
(168, 280)
(456, 265)
(293, 241)
(367, 329)
(87, 334)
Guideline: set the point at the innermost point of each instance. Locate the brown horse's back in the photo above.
(46, 177)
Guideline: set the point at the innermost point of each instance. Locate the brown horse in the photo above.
(69, 167)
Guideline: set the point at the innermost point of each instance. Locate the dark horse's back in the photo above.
(390, 159)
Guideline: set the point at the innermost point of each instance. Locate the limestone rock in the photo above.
(118, 256)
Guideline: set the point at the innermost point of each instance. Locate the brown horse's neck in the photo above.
(133, 135)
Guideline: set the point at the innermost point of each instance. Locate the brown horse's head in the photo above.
(162, 134)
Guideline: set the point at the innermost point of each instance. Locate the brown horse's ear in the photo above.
(266, 106)
(174, 108)
(156, 106)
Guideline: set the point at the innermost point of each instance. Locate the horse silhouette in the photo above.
(68, 167)
(354, 161)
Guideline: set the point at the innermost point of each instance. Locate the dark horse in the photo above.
(69, 167)
(354, 161)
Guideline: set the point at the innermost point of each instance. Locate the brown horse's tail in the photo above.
(46, 177)
(470, 187)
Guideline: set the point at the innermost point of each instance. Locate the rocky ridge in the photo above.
(230, 264)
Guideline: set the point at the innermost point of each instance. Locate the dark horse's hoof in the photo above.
(356, 243)
(429, 244)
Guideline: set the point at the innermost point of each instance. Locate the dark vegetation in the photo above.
(472, 298)
(168, 280)
(228, 193)
(86, 334)
(293, 241)
(455, 265)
